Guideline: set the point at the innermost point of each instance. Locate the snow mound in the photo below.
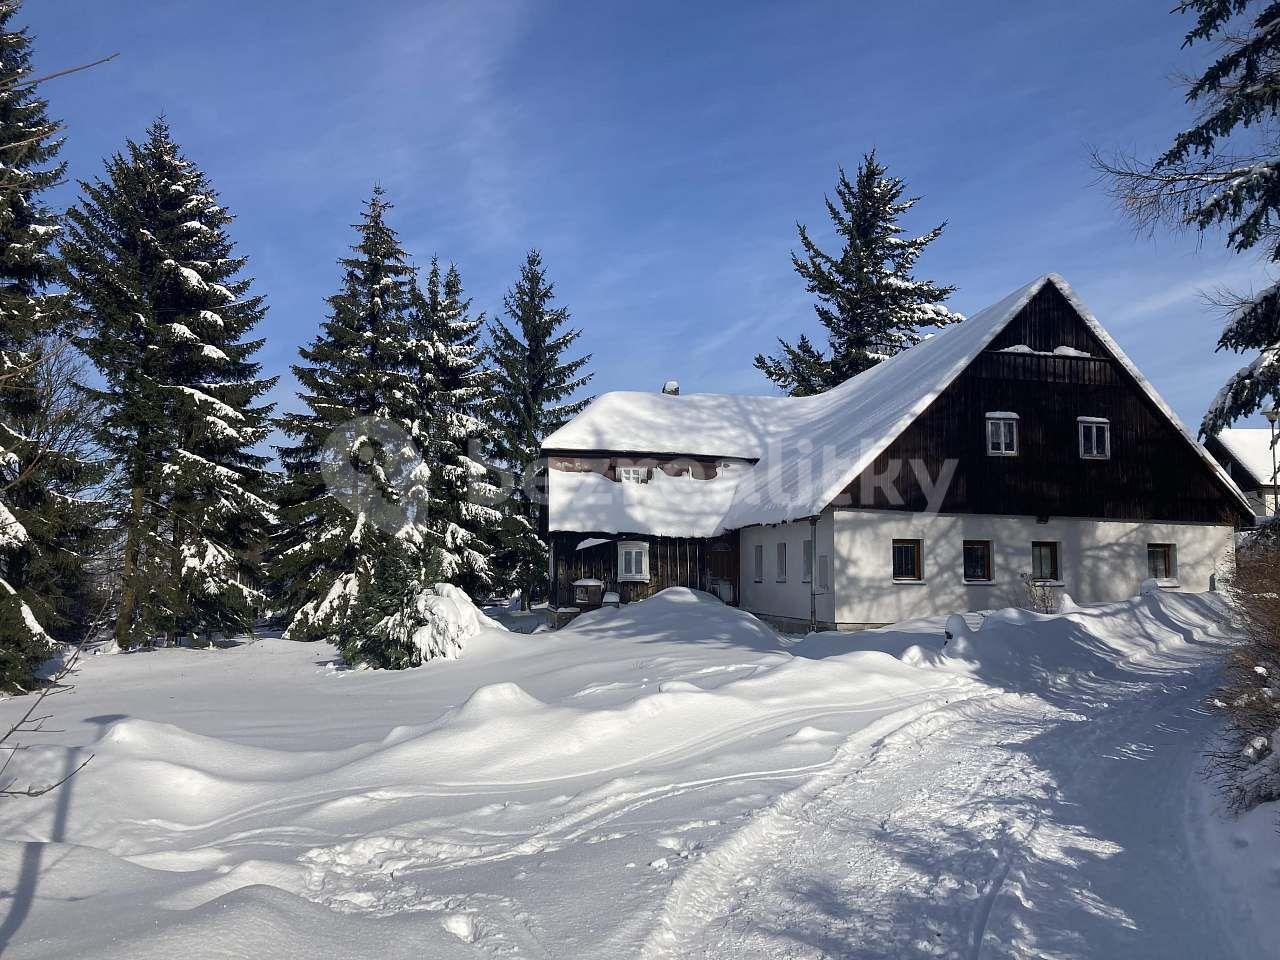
(1021, 650)
(498, 699)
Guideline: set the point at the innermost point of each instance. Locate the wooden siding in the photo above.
(1153, 472)
(673, 562)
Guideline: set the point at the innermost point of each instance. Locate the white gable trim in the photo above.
(1007, 316)
(1147, 388)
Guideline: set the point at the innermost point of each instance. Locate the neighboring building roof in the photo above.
(808, 449)
(1251, 447)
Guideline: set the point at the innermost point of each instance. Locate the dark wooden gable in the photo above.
(1153, 473)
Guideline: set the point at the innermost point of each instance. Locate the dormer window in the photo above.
(633, 474)
(1002, 434)
(1095, 438)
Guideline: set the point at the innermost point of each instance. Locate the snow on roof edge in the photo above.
(936, 362)
(1147, 387)
(1005, 312)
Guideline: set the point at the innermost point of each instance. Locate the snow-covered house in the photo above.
(1246, 455)
(1021, 442)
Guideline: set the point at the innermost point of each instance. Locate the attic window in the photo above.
(633, 560)
(1002, 434)
(1095, 438)
(633, 474)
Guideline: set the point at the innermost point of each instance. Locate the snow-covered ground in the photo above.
(671, 779)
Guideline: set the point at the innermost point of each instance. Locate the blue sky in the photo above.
(660, 154)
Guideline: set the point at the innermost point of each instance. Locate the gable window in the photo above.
(806, 574)
(977, 561)
(1044, 561)
(633, 474)
(782, 562)
(1095, 438)
(758, 557)
(633, 560)
(906, 560)
(1162, 561)
(1002, 434)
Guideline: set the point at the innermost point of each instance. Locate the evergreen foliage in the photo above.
(1224, 171)
(455, 397)
(167, 315)
(355, 501)
(46, 521)
(868, 300)
(533, 391)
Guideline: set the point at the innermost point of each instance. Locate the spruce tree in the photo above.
(455, 399)
(1224, 171)
(46, 524)
(168, 314)
(868, 300)
(534, 384)
(356, 534)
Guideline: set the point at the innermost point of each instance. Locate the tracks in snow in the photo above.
(703, 902)
(996, 826)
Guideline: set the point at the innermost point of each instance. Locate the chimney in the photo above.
(671, 388)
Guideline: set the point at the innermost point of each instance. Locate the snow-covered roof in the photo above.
(695, 424)
(1251, 446)
(808, 449)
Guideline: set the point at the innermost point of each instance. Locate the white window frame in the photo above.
(631, 553)
(781, 561)
(1094, 426)
(806, 566)
(633, 475)
(758, 558)
(1001, 428)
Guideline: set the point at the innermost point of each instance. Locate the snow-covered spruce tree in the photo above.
(356, 539)
(45, 524)
(1224, 171)
(168, 312)
(868, 301)
(454, 400)
(534, 384)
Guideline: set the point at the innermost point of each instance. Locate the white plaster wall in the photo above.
(789, 600)
(1099, 560)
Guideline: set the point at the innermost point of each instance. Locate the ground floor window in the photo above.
(633, 560)
(758, 557)
(1161, 561)
(824, 572)
(1044, 560)
(977, 560)
(906, 560)
(782, 562)
(807, 573)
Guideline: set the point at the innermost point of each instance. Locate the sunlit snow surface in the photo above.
(670, 779)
